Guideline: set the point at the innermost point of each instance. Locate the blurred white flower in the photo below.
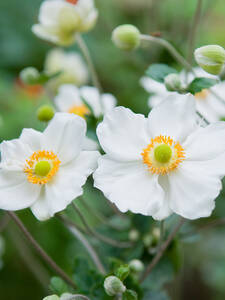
(46, 171)
(70, 99)
(71, 65)
(61, 20)
(207, 103)
(161, 164)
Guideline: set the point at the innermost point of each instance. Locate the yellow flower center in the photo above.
(163, 155)
(80, 110)
(41, 167)
(202, 95)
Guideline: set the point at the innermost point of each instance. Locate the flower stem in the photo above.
(170, 48)
(98, 235)
(161, 250)
(39, 249)
(93, 254)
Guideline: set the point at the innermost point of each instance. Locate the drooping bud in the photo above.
(172, 82)
(136, 266)
(53, 297)
(210, 58)
(126, 37)
(113, 286)
(45, 113)
(30, 75)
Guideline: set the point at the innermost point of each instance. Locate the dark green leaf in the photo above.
(130, 295)
(58, 286)
(122, 272)
(200, 83)
(158, 72)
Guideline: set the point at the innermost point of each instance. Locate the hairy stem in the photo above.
(161, 250)
(39, 249)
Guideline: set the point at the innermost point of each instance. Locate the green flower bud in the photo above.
(172, 82)
(45, 113)
(210, 58)
(134, 235)
(136, 266)
(30, 75)
(113, 286)
(53, 297)
(126, 37)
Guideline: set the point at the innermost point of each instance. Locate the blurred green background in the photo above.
(23, 275)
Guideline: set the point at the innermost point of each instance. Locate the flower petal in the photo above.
(68, 96)
(15, 191)
(65, 136)
(173, 117)
(109, 102)
(32, 138)
(66, 186)
(92, 97)
(192, 191)
(45, 33)
(206, 143)
(123, 134)
(129, 185)
(49, 12)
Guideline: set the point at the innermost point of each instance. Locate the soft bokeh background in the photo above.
(23, 275)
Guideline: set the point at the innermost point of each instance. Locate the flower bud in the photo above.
(136, 266)
(172, 82)
(29, 75)
(210, 58)
(126, 37)
(113, 286)
(134, 235)
(45, 113)
(53, 297)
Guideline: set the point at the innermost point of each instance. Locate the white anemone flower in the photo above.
(46, 171)
(70, 99)
(61, 20)
(71, 65)
(207, 103)
(162, 164)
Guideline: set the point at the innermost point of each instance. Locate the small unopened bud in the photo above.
(45, 113)
(126, 37)
(53, 297)
(134, 235)
(210, 58)
(147, 240)
(29, 75)
(172, 82)
(113, 286)
(136, 266)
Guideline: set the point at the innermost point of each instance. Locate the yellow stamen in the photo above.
(80, 110)
(41, 167)
(165, 164)
(202, 95)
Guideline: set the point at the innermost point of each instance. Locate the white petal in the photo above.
(90, 145)
(109, 102)
(174, 117)
(129, 185)
(15, 191)
(65, 186)
(92, 97)
(206, 143)
(152, 86)
(155, 100)
(123, 134)
(32, 138)
(192, 191)
(65, 136)
(45, 33)
(68, 96)
(49, 12)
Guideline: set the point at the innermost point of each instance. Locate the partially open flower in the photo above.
(162, 164)
(61, 20)
(114, 286)
(46, 171)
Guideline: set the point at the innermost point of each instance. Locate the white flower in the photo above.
(70, 99)
(70, 64)
(207, 103)
(46, 171)
(161, 164)
(61, 20)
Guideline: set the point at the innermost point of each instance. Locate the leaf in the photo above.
(158, 72)
(200, 83)
(130, 295)
(44, 77)
(58, 286)
(122, 272)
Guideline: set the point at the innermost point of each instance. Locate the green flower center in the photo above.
(42, 168)
(163, 153)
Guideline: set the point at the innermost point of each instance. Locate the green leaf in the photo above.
(58, 286)
(158, 72)
(122, 272)
(200, 83)
(44, 77)
(130, 295)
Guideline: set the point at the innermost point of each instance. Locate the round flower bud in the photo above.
(210, 58)
(45, 113)
(29, 75)
(113, 286)
(53, 297)
(134, 235)
(136, 266)
(172, 82)
(126, 37)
